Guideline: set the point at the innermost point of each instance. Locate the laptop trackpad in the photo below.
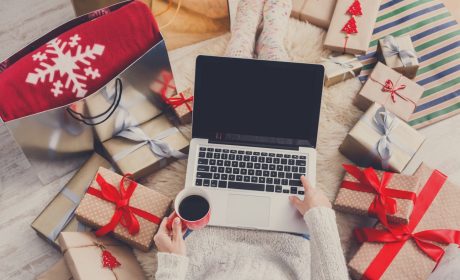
(248, 210)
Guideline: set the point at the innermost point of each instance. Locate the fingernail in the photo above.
(176, 221)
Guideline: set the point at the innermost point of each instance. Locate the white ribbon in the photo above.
(392, 48)
(385, 122)
(341, 65)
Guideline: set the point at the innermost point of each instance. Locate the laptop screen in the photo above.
(255, 101)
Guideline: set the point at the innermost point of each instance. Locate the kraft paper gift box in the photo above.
(163, 84)
(401, 258)
(340, 68)
(135, 107)
(399, 54)
(88, 257)
(352, 42)
(142, 150)
(317, 12)
(59, 271)
(394, 91)
(357, 196)
(58, 215)
(101, 204)
(381, 140)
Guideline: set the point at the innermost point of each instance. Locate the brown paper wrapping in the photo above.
(97, 212)
(59, 212)
(335, 73)
(411, 263)
(372, 92)
(357, 43)
(317, 12)
(58, 271)
(355, 202)
(143, 161)
(184, 111)
(395, 62)
(135, 108)
(162, 82)
(84, 258)
(360, 144)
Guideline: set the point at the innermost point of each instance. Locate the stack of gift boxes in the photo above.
(89, 220)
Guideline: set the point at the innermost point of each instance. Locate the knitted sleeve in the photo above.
(171, 267)
(327, 260)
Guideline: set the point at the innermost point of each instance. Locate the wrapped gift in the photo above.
(59, 213)
(88, 257)
(399, 54)
(135, 107)
(340, 68)
(412, 251)
(351, 26)
(317, 12)
(381, 140)
(391, 89)
(58, 271)
(164, 85)
(368, 192)
(116, 204)
(142, 150)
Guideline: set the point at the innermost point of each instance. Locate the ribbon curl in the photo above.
(392, 48)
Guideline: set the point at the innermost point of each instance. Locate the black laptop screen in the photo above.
(257, 101)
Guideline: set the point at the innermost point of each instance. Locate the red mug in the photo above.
(192, 206)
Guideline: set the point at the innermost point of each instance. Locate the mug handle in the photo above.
(171, 220)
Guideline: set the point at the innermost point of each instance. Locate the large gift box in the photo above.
(142, 150)
(368, 192)
(391, 89)
(411, 252)
(59, 271)
(103, 258)
(381, 140)
(135, 107)
(59, 213)
(340, 68)
(114, 203)
(317, 12)
(351, 26)
(399, 54)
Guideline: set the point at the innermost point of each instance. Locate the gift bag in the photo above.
(46, 87)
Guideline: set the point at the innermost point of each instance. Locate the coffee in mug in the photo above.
(193, 208)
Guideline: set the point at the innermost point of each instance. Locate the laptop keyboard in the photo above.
(250, 170)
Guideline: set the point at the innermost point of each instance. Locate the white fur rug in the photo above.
(304, 44)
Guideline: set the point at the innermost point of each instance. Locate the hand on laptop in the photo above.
(313, 198)
(170, 241)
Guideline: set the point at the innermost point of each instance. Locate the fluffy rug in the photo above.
(304, 43)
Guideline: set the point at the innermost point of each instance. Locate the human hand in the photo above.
(170, 241)
(313, 197)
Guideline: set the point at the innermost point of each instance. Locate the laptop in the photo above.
(254, 133)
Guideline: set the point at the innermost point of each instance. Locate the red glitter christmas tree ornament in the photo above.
(108, 260)
(350, 27)
(355, 9)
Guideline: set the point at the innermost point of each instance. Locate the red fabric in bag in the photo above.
(77, 62)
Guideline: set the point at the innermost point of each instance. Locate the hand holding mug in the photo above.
(170, 241)
(192, 207)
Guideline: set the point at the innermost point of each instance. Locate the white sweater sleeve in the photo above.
(327, 259)
(171, 267)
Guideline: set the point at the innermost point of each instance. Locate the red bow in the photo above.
(384, 202)
(174, 101)
(124, 213)
(389, 87)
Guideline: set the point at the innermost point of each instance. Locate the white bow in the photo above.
(391, 48)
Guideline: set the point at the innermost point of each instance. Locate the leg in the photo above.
(270, 45)
(247, 20)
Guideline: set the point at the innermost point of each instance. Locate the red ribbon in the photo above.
(384, 202)
(124, 213)
(174, 101)
(397, 235)
(390, 88)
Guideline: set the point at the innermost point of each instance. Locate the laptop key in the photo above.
(266, 173)
(284, 182)
(234, 164)
(264, 154)
(223, 177)
(268, 160)
(287, 168)
(281, 175)
(225, 151)
(269, 180)
(213, 168)
(279, 155)
(254, 179)
(254, 159)
(247, 158)
(224, 156)
(233, 151)
(257, 165)
(220, 162)
(204, 175)
(208, 155)
(242, 164)
(291, 162)
(202, 154)
(212, 162)
(293, 190)
(236, 171)
(285, 191)
(222, 184)
(228, 170)
(295, 169)
(276, 160)
(214, 183)
(246, 186)
(216, 176)
(256, 153)
(244, 171)
(289, 175)
(227, 163)
(273, 174)
(258, 172)
(301, 192)
(272, 167)
(250, 165)
(231, 157)
(231, 177)
(248, 153)
(218, 150)
(302, 170)
(262, 180)
(301, 162)
(240, 152)
(261, 159)
(278, 189)
(247, 179)
(271, 155)
(283, 161)
(295, 183)
(199, 182)
(277, 181)
(297, 176)
(251, 172)
(216, 156)
(206, 183)
(202, 149)
(270, 188)
(221, 169)
(303, 157)
(202, 161)
(239, 157)
(239, 178)
(210, 149)
(264, 166)
(202, 168)
(295, 156)
(287, 156)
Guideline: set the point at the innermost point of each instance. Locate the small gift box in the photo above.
(391, 89)
(88, 257)
(381, 140)
(164, 85)
(59, 271)
(59, 213)
(135, 107)
(412, 251)
(399, 54)
(368, 192)
(317, 12)
(116, 204)
(340, 68)
(351, 26)
(142, 150)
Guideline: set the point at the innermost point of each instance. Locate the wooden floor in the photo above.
(22, 254)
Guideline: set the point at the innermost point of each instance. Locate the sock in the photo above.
(247, 20)
(270, 45)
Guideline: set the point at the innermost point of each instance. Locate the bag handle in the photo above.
(109, 112)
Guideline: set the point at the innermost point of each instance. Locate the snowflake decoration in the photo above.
(65, 63)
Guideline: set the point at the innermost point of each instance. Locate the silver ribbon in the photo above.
(341, 65)
(391, 48)
(385, 122)
(160, 148)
